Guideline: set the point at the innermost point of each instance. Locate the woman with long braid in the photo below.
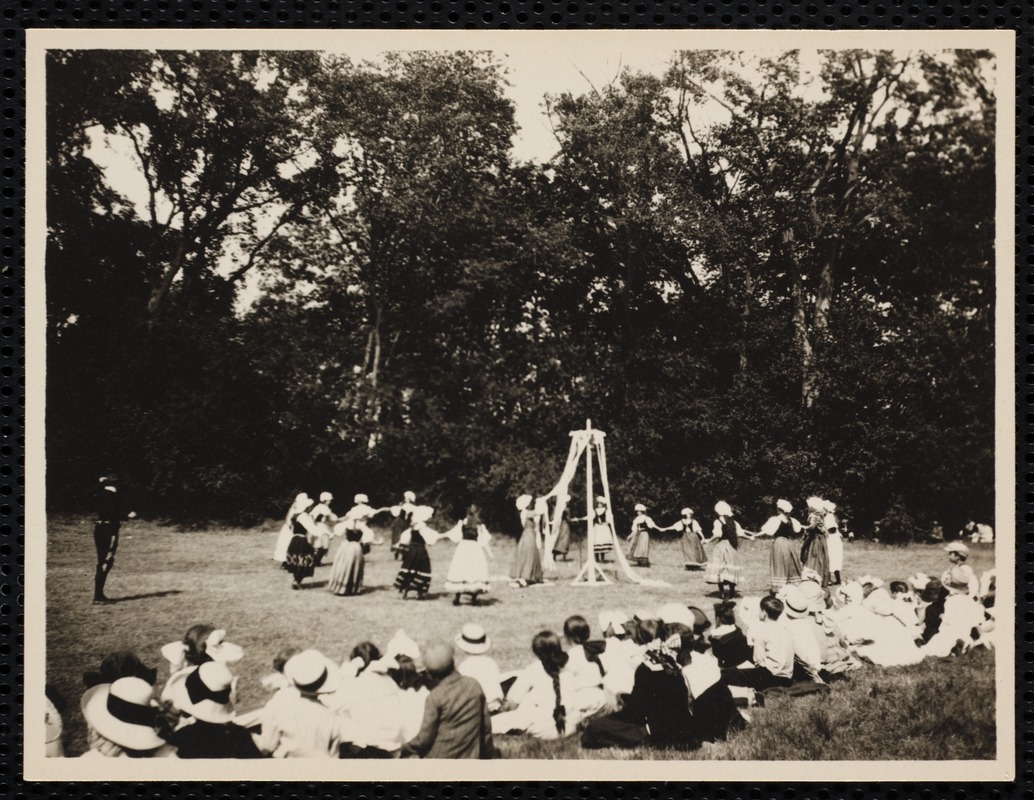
(542, 698)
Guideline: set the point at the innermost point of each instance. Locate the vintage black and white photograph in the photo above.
(522, 399)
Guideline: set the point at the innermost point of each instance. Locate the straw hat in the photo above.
(958, 547)
(722, 509)
(122, 713)
(524, 501)
(640, 507)
(473, 640)
(312, 672)
(784, 505)
(815, 503)
(204, 693)
(794, 601)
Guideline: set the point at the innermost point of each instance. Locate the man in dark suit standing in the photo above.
(111, 512)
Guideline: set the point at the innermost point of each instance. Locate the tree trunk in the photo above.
(161, 290)
(800, 324)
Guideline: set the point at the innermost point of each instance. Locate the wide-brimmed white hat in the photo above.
(409, 497)
(722, 509)
(784, 505)
(872, 580)
(524, 501)
(473, 640)
(957, 547)
(815, 503)
(360, 498)
(122, 713)
(312, 672)
(204, 692)
(613, 619)
(676, 613)
(645, 614)
(326, 497)
(794, 601)
(687, 512)
(919, 581)
(830, 506)
(640, 507)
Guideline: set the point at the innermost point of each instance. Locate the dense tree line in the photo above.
(341, 278)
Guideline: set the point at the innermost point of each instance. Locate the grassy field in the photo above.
(166, 579)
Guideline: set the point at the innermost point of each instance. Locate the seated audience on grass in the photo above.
(986, 592)
(959, 578)
(620, 657)
(475, 643)
(583, 662)
(804, 634)
(122, 721)
(961, 618)
(541, 701)
(371, 700)
(661, 711)
(299, 725)
(878, 600)
(728, 643)
(872, 629)
(773, 651)
(931, 609)
(456, 722)
(834, 649)
(413, 693)
(201, 644)
(275, 682)
(203, 695)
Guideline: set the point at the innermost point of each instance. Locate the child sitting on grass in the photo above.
(728, 643)
(773, 652)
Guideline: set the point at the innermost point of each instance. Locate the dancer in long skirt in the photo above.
(639, 538)
(602, 531)
(323, 517)
(814, 553)
(356, 519)
(401, 519)
(415, 573)
(834, 542)
(468, 572)
(725, 566)
(562, 543)
(784, 565)
(301, 558)
(527, 562)
(346, 573)
(692, 541)
(301, 501)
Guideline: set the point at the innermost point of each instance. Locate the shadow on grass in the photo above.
(128, 598)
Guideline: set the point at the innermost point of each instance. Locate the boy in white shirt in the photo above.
(773, 652)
